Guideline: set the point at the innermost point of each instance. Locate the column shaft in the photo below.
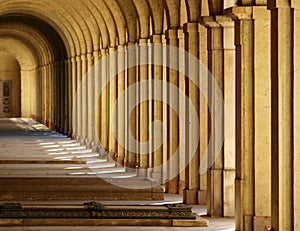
(143, 109)
(90, 101)
(74, 91)
(192, 174)
(157, 110)
(132, 115)
(121, 105)
(296, 119)
(113, 91)
(215, 65)
(97, 81)
(173, 121)
(84, 102)
(282, 116)
(104, 102)
(79, 96)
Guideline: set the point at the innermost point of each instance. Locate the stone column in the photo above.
(173, 121)
(90, 101)
(215, 66)
(74, 91)
(253, 117)
(79, 96)
(229, 86)
(157, 110)
(121, 105)
(69, 98)
(84, 106)
(143, 109)
(132, 115)
(97, 79)
(296, 118)
(190, 195)
(282, 115)
(182, 113)
(104, 102)
(112, 99)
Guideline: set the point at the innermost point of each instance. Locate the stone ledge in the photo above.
(92, 214)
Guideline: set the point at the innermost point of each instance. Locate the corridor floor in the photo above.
(28, 148)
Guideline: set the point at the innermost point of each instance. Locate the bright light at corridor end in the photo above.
(196, 73)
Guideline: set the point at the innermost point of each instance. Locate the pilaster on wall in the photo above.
(253, 118)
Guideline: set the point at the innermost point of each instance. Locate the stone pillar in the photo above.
(69, 97)
(173, 121)
(215, 65)
(204, 114)
(132, 115)
(90, 101)
(74, 91)
(97, 80)
(229, 86)
(143, 130)
(112, 99)
(121, 105)
(182, 113)
(84, 106)
(282, 115)
(104, 102)
(296, 118)
(190, 195)
(157, 110)
(253, 118)
(79, 96)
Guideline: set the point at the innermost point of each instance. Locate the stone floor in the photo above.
(36, 151)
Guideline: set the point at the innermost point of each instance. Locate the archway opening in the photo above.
(10, 86)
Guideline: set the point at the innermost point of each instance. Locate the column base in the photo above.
(181, 186)
(130, 166)
(157, 176)
(111, 157)
(142, 172)
(190, 196)
(202, 197)
(261, 223)
(120, 161)
(172, 186)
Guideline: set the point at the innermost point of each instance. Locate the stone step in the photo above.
(76, 188)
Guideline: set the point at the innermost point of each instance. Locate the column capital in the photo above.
(73, 59)
(104, 51)
(112, 49)
(83, 57)
(240, 12)
(191, 27)
(143, 40)
(120, 46)
(89, 56)
(209, 22)
(96, 54)
(295, 4)
(156, 38)
(273, 4)
(171, 34)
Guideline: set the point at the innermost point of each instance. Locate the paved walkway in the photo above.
(29, 149)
